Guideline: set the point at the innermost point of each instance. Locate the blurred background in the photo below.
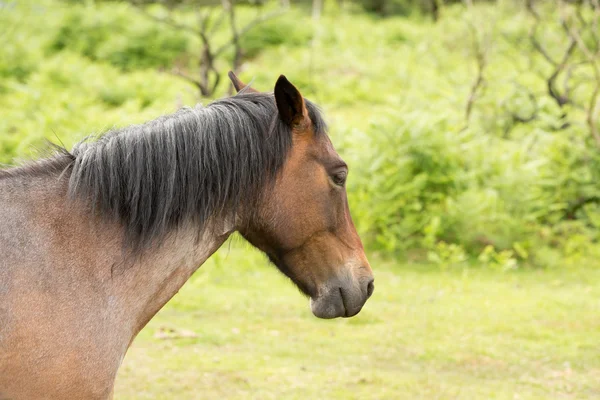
(473, 137)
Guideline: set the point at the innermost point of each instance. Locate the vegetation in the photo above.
(238, 330)
(466, 138)
(473, 146)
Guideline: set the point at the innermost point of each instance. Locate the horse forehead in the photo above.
(318, 146)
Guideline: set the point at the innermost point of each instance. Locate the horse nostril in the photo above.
(370, 288)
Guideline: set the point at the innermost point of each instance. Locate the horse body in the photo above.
(94, 243)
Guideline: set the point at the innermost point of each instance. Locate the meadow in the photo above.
(239, 330)
(473, 186)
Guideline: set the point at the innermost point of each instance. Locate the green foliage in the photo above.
(69, 97)
(15, 61)
(428, 182)
(276, 32)
(504, 259)
(406, 7)
(19, 56)
(446, 254)
(112, 37)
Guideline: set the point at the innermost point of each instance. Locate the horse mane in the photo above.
(193, 165)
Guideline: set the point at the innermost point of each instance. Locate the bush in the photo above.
(428, 184)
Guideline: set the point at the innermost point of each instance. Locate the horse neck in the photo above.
(76, 248)
(159, 272)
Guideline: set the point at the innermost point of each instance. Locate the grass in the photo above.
(240, 330)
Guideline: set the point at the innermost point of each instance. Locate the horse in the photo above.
(96, 240)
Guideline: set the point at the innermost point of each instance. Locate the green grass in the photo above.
(425, 333)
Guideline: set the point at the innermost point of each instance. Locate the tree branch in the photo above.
(188, 78)
(209, 76)
(592, 110)
(561, 100)
(559, 66)
(479, 80)
(571, 211)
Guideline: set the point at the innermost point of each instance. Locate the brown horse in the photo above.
(93, 242)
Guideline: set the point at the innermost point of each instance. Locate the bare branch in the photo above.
(480, 59)
(592, 110)
(559, 66)
(531, 9)
(209, 76)
(533, 33)
(561, 100)
(218, 22)
(537, 45)
(188, 78)
(595, 4)
(571, 211)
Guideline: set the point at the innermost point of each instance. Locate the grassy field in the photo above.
(240, 330)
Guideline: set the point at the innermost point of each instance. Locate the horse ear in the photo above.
(239, 85)
(290, 103)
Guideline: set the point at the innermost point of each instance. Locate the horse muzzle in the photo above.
(339, 300)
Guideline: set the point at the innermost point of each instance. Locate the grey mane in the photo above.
(193, 165)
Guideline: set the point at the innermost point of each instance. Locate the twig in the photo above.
(531, 9)
(479, 80)
(595, 4)
(188, 78)
(571, 211)
(559, 66)
(561, 100)
(218, 22)
(209, 75)
(592, 110)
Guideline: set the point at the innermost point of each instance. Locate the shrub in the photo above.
(429, 185)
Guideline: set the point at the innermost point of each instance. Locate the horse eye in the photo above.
(339, 178)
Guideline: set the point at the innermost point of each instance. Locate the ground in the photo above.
(240, 330)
